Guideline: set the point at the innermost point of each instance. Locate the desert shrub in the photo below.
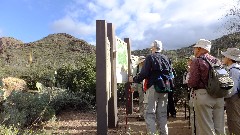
(10, 130)
(180, 92)
(63, 99)
(121, 93)
(79, 78)
(23, 109)
(31, 83)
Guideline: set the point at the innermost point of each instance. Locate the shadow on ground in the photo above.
(78, 123)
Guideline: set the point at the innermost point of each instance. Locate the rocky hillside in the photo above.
(51, 52)
(55, 50)
(9, 41)
(218, 45)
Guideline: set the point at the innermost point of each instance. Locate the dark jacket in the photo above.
(154, 65)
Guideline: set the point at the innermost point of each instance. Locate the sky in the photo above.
(177, 23)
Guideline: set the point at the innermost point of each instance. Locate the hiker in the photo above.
(191, 96)
(156, 110)
(139, 88)
(231, 56)
(171, 105)
(209, 110)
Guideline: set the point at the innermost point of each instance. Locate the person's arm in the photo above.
(145, 71)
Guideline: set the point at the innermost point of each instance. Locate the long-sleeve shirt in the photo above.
(151, 69)
(235, 74)
(199, 68)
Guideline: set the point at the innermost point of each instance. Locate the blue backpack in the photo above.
(164, 81)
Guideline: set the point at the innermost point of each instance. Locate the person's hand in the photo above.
(130, 79)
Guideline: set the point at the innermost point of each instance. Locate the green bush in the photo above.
(31, 82)
(16, 131)
(80, 80)
(79, 77)
(23, 109)
(63, 99)
(121, 94)
(180, 92)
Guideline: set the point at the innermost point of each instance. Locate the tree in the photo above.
(233, 18)
(180, 91)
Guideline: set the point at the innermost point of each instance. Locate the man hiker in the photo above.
(156, 110)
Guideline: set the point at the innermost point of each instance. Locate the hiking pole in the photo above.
(194, 119)
(189, 114)
(189, 109)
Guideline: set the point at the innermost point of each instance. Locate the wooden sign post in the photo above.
(113, 66)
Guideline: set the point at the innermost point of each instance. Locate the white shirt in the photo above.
(235, 74)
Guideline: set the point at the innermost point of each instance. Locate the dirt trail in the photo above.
(77, 123)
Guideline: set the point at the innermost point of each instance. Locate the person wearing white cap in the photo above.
(139, 88)
(231, 57)
(209, 110)
(156, 109)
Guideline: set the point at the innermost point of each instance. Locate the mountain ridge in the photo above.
(78, 45)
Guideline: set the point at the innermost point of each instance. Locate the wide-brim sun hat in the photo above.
(141, 59)
(232, 53)
(205, 44)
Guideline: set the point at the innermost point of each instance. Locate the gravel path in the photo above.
(78, 123)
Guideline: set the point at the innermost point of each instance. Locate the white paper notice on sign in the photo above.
(121, 61)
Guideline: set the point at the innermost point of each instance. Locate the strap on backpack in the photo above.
(234, 67)
(160, 58)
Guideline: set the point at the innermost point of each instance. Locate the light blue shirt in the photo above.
(235, 74)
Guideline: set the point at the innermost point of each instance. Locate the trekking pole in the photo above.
(194, 119)
(189, 114)
(189, 109)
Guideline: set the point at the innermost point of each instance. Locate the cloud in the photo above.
(176, 23)
(70, 25)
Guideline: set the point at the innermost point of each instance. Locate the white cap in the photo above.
(157, 44)
(203, 43)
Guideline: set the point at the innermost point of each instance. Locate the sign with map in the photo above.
(121, 61)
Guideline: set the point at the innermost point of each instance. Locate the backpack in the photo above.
(219, 81)
(164, 80)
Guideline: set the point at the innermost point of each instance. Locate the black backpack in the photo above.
(162, 67)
